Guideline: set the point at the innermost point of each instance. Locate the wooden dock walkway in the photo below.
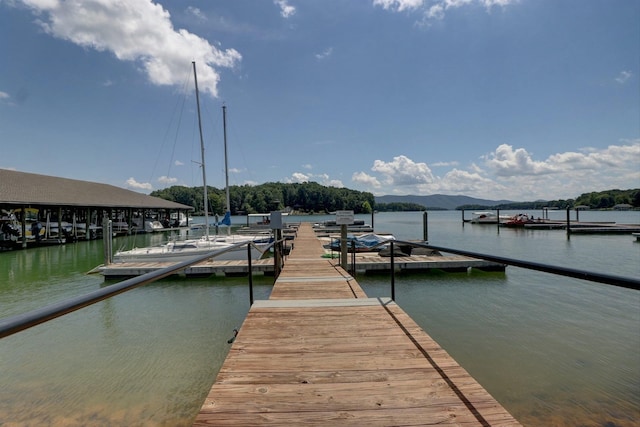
(319, 352)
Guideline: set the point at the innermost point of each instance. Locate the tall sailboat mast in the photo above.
(226, 164)
(204, 173)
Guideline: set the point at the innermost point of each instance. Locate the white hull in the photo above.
(182, 251)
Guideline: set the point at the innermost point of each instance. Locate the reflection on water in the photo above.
(554, 351)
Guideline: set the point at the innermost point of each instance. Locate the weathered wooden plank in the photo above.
(320, 353)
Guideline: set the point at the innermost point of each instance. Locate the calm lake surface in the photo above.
(554, 351)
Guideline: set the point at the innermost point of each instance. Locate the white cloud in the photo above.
(444, 164)
(286, 10)
(506, 161)
(399, 5)
(324, 179)
(436, 9)
(178, 163)
(623, 77)
(197, 13)
(131, 182)
(514, 174)
(324, 54)
(167, 180)
(139, 31)
(298, 177)
(365, 179)
(403, 171)
(307, 166)
(4, 95)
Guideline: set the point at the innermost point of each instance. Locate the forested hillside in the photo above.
(311, 197)
(595, 200)
(308, 197)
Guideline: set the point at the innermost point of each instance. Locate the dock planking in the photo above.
(319, 352)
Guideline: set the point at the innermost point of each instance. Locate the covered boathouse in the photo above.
(34, 207)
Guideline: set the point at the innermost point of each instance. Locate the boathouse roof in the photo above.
(21, 188)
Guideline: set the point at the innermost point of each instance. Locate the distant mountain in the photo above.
(440, 201)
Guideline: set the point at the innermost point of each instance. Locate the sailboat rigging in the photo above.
(202, 163)
(181, 250)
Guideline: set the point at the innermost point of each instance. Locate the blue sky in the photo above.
(498, 99)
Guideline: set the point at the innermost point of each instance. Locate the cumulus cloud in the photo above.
(403, 171)
(132, 183)
(513, 173)
(324, 179)
(506, 161)
(178, 163)
(167, 180)
(286, 10)
(299, 177)
(139, 31)
(365, 179)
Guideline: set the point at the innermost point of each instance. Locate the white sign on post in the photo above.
(344, 217)
(275, 220)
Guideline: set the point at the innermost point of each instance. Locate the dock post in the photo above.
(498, 219)
(393, 273)
(23, 226)
(425, 226)
(250, 274)
(462, 217)
(277, 248)
(343, 246)
(568, 222)
(107, 236)
(353, 257)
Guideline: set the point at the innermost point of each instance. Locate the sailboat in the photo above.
(185, 249)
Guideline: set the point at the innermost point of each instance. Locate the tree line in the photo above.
(308, 197)
(594, 200)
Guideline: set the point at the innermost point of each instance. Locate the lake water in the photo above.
(554, 351)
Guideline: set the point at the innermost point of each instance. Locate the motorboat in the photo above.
(484, 218)
(369, 242)
(519, 220)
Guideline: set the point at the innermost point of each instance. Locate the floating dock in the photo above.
(319, 352)
(365, 263)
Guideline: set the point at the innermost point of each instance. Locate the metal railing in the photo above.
(20, 322)
(608, 279)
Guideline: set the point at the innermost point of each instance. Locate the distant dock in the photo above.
(320, 352)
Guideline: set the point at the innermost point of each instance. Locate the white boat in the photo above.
(147, 225)
(178, 219)
(484, 218)
(488, 218)
(184, 249)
